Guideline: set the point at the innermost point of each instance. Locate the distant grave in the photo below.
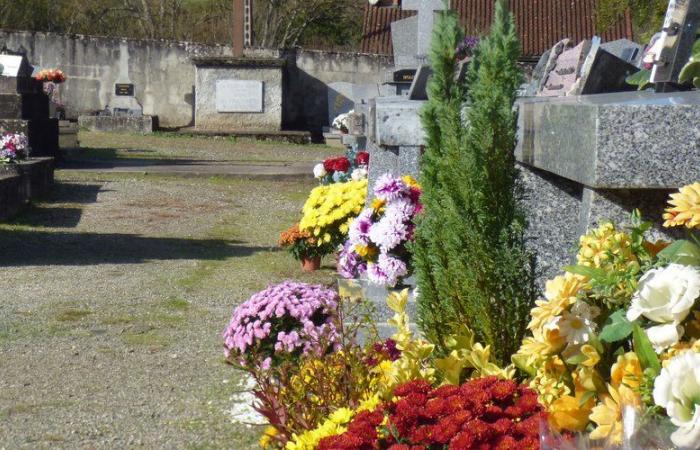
(123, 112)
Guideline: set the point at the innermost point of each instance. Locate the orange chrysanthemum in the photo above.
(685, 208)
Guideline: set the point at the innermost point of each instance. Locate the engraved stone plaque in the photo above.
(239, 96)
(13, 65)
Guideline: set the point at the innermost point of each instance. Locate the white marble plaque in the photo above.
(10, 65)
(239, 96)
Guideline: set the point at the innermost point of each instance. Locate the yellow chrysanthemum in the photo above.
(608, 414)
(267, 437)
(570, 413)
(329, 209)
(560, 293)
(549, 381)
(684, 208)
(627, 371)
(599, 247)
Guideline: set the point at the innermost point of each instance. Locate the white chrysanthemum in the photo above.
(359, 174)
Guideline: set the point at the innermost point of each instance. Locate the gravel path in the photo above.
(113, 296)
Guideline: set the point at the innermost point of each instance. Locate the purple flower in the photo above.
(259, 331)
(359, 228)
(387, 270)
(350, 264)
(389, 188)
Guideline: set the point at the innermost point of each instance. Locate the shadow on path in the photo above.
(25, 248)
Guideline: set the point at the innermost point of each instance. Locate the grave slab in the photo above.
(614, 141)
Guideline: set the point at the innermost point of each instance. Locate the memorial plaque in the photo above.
(239, 96)
(124, 89)
(12, 65)
(404, 75)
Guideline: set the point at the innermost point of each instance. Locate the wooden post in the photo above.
(238, 27)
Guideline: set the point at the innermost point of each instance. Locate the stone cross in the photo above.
(426, 20)
(677, 39)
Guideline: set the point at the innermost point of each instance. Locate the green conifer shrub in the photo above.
(469, 252)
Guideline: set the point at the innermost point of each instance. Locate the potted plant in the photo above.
(303, 247)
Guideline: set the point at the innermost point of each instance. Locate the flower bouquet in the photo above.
(51, 75)
(377, 239)
(13, 147)
(341, 169)
(329, 211)
(303, 247)
(615, 340)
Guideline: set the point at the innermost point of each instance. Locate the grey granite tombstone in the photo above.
(603, 72)
(677, 39)
(619, 156)
(418, 90)
(626, 50)
(404, 35)
(426, 21)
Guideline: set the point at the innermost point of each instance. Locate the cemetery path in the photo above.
(113, 298)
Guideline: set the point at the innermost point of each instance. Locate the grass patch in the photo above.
(72, 315)
(177, 304)
(117, 319)
(152, 339)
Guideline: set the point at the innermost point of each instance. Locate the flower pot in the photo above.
(311, 264)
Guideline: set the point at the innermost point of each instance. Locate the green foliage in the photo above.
(645, 352)
(647, 15)
(641, 79)
(276, 23)
(616, 328)
(469, 253)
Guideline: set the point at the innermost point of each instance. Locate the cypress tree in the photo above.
(469, 252)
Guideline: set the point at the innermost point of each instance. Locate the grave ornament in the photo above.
(676, 42)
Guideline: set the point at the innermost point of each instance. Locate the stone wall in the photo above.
(164, 76)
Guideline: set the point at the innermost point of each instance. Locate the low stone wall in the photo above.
(22, 182)
(164, 76)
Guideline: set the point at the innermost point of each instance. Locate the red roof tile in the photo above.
(540, 23)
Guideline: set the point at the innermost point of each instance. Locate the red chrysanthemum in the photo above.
(416, 386)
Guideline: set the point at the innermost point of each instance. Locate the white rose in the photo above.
(666, 296)
(359, 174)
(319, 171)
(677, 389)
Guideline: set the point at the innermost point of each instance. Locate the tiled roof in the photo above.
(540, 23)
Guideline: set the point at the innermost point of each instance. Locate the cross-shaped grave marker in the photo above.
(426, 20)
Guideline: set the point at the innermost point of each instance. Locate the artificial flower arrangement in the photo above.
(329, 211)
(354, 166)
(377, 239)
(342, 121)
(615, 340)
(13, 147)
(302, 246)
(51, 75)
